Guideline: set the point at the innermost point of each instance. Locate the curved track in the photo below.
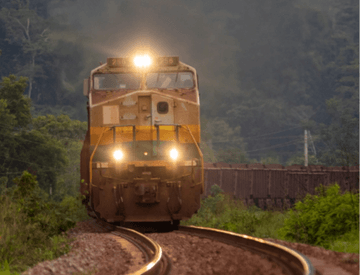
(290, 260)
(156, 261)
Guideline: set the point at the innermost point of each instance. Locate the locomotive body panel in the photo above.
(156, 131)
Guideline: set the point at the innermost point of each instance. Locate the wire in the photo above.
(274, 132)
(277, 146)
(214, 142)
(260, 136)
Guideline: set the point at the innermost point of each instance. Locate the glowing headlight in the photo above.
(142, 61)
(174, 154)
(118, 155)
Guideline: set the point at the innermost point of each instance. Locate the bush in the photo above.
(74, 209)
(322, 218)
(34, 203)
(222, 212)
(22, 243)
(31, 224)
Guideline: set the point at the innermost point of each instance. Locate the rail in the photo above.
(293, 261)
(156, 261)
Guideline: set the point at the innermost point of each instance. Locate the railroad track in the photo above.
(157, 262)
(291, 261)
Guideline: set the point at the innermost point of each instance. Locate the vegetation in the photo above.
(323, 218)
(294, 66)
(32, 225)
(46, 146)
(39, 180)
(329, 219)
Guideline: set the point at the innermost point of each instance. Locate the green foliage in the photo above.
(270, 159)
(25, 28)
(220, 211)
(32, 225)
(341, 137)
(51, 217)
(69, 133)
(208, 153)
(348, 242)
(73, 208)
(5, 268)
(299, 158)
(22, 244)
(61, 127)
(329, 219)
(11, 90)
(232, 155)
(321, 219)
(48, 147)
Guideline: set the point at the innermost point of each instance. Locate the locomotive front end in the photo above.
(141, 160)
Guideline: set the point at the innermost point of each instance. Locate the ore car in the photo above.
(141, 159)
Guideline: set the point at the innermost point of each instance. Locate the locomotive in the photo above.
(141, 159)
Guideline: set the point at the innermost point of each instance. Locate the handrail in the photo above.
(91, 158)
(201, 157)
(134, 139)
(134, 134)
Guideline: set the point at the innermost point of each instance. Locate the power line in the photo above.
(277, 146)
(260, 136)
(274, 132)
(215, 142)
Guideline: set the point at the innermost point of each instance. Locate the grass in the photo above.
(320, 219)
(32, 226)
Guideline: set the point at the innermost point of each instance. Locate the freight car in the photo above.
(141, 160)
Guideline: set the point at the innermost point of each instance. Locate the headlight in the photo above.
(118, 155)
(174, 154)
(142, 61)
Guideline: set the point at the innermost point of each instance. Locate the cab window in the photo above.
(181, 80)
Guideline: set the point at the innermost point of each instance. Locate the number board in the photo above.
(119, 62)
(128, 62)
(167, 61)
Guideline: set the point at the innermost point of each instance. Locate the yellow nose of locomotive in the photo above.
(141, 157)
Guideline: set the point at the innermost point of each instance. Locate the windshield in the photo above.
(116, 81)
(170, 80)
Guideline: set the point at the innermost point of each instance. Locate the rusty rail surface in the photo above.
(274, 185)
(290, 260)
(157, 261)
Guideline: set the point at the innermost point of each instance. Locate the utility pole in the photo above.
(306, 149)
(312, 143)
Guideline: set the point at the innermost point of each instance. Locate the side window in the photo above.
(162, 107)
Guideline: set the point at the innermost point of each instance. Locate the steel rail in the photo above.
(156, 261)
(291, 260)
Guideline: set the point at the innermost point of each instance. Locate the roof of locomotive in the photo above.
(106, 68)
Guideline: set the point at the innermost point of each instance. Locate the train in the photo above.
(141, 159)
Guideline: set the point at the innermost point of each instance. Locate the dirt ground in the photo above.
(96, 251)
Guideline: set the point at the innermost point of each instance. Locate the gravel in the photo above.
(96, 251)
(195, 255)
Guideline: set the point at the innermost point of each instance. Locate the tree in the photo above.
(70, 134)
(341, 137)
(12, 89)
(25, 147)
(24, 27)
